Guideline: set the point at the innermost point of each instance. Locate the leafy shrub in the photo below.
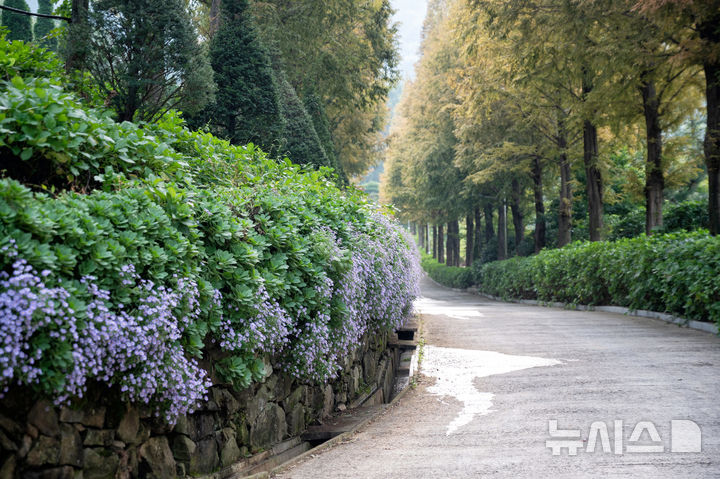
(289, 285)
(49, 137)
(689, 216)
(674, 273)
(512, 280)
(627, 225)
(450, 276)
(26, 60)
(192, 248)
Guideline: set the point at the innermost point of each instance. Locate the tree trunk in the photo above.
(427, 238)
(456, 243)
(477, 244)
(421, 236)
(413, 229)
(78, 38)
(540, 226)
(449, 260)
(565, 210)
(517, 214)
(594, 185)
(214, 17)
(435, 242)
(489, 232)
(469, 240)
(440, 248)
(502, 232)
(654, 179)
(712, 139)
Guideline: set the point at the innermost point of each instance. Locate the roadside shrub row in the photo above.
(675, 273)
(171, 247)
(450, 276)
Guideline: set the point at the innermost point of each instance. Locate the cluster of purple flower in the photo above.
(29, 311)
(137, 347)
(139, 350)
(377, 292)
(267, 331)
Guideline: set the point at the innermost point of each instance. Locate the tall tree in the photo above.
(502, 252)
(314, 107)
(441, 254)
(516, 195)
(246, 107)
(699, 39)
(346, 50)
(469, 240)
(43, 26)
(19, 26)
(77, 39)
(540, 222)
(298, 138)
(146, 58)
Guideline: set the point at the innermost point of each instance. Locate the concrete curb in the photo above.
(668, 318)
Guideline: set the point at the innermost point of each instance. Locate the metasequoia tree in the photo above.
(698, 23)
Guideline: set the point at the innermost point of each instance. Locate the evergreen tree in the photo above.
(246, 103)
(314, 108)
(19, 25)
(299, 140)
(43, 26)
(146, 58)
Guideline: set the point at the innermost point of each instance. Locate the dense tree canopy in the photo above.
(147, 59)
(246, 107)
(573, 113)
(19, 26)
(345, 50)
(43, 26)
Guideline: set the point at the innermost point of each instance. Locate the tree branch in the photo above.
(31, 14)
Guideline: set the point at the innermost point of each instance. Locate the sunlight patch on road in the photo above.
(456, 369)
(431, 307)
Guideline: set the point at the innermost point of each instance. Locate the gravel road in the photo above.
(512, 390)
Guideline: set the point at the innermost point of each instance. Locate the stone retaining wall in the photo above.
(100, 437)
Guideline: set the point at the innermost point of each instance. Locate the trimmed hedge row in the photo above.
(675, 273)
(450, 276)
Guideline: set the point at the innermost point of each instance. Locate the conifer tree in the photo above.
(314, 107)
(299, 140)
(146, 58)
(43, 26)
(19, 26)
(246, 103)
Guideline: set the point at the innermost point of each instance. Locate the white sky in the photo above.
(409, 15)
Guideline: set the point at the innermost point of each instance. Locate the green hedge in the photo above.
(128, 252)
(675, 273)
(450, 276)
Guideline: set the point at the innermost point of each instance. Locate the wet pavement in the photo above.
(511, 390)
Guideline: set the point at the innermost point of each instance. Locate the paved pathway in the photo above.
(496, 374)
